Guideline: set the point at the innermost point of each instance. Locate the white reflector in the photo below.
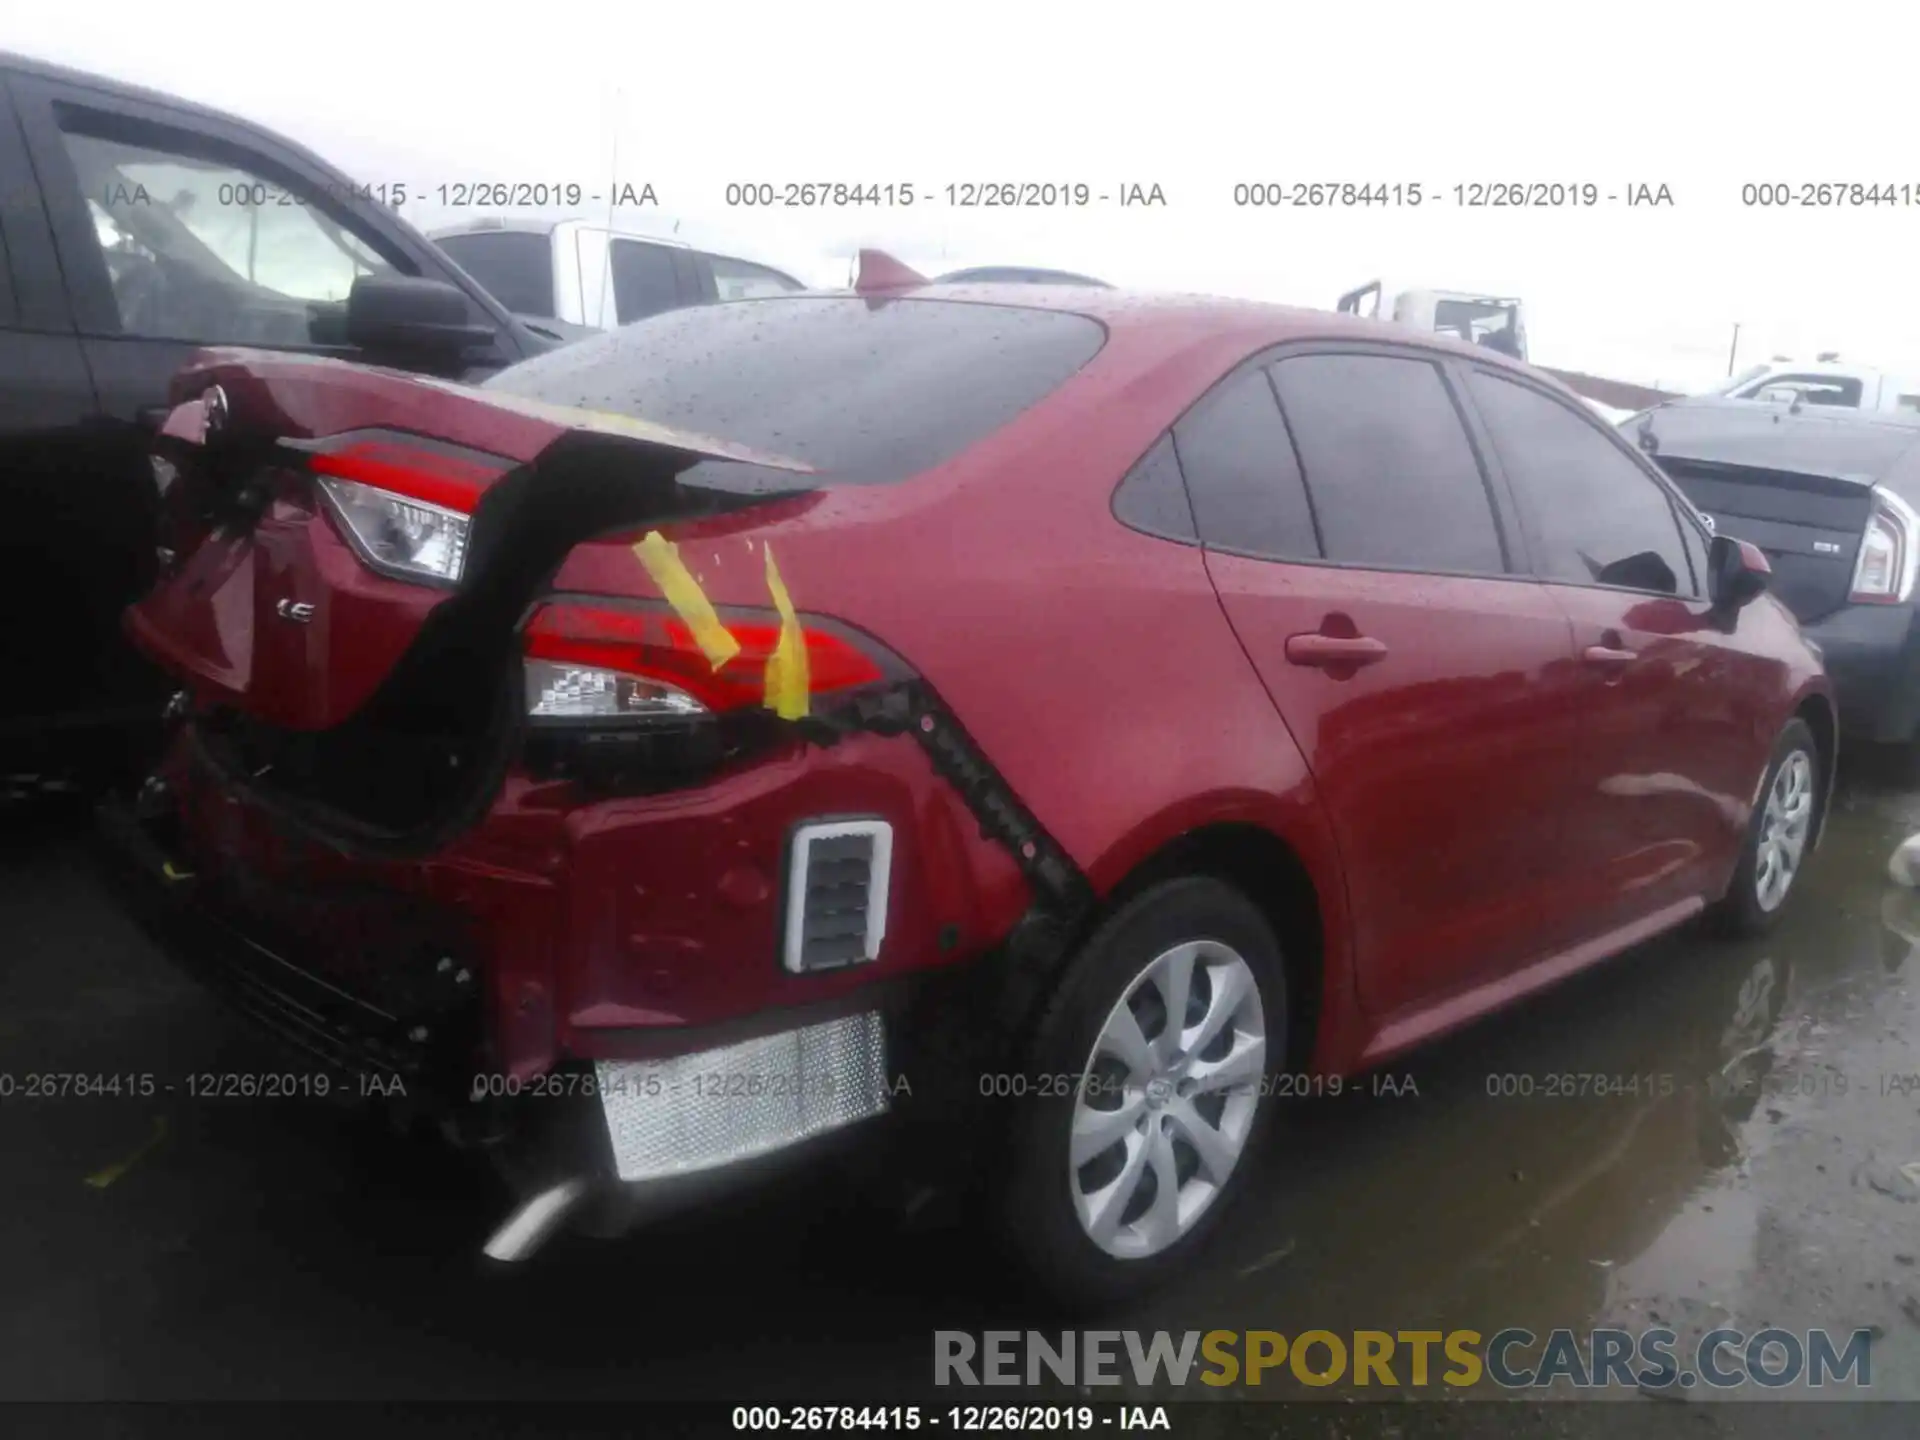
(695, 1112)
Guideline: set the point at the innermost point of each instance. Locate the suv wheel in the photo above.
(1779, 836)
(1144, 1097)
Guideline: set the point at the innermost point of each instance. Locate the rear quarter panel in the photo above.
(1091, 663)
(1798, 678)
(1771, 673)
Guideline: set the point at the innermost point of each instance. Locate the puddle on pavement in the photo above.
(1738, 1175)
(1748, 1175)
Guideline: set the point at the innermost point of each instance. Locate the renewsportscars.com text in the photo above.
(1652, 1359)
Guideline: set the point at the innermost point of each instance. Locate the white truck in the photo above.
(575, 277)
(1496, 321)
(1825, 381)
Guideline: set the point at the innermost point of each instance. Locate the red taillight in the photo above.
(1889, 557)
(430, 471)
(649, 640)
(404, 502)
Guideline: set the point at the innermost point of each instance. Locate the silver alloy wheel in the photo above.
(1784, 828)
(1167, 1099)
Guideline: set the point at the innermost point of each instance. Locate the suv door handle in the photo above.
(1328, 652)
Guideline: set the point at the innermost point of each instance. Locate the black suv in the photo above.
(135, 229)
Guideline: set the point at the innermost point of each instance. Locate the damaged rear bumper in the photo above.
(705, 1112)
(372, 1043)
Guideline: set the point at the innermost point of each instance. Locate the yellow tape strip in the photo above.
(662, 559)
(101, 1179)
(788, 685)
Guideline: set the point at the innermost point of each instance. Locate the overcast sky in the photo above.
(1699, 97)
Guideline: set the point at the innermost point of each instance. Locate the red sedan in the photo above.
(1032, 724)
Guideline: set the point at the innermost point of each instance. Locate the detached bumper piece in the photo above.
(418, 1051)
(717, 1107)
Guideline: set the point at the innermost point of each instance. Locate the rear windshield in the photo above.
(515, 268)
(865, 392)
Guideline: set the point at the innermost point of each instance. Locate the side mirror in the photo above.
(407, 315)
(1781, 395)
(1736, 573)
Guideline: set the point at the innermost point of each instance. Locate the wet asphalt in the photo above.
(165, 1248)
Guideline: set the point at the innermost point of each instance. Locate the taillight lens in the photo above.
(641, 662)
(404, 502)
(1889, 552)
(406, 539)
(559, 691)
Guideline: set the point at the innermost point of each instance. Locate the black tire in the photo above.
(1739, 912)
(1034, 1205)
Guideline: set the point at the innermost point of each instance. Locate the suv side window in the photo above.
(199, 248)
(1242, 474)
(645, 281)
(1596, 517)
(1393, 477)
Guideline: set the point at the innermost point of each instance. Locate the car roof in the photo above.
(538, 225)
(545, 225)
(1173, 318)
(48, 70)
(1017, 274)
(1831, 441)
(497, 225)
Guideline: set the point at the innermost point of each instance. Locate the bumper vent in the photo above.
(837, 894)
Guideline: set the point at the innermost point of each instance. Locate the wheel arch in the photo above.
(1817, 709)
(1300, 900)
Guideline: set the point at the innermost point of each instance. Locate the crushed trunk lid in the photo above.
(361, 693)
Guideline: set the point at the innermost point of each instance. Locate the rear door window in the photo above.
(864, 393)
(514, 267)
(1595, 517)
(1153, 496)
(1241, 472)
(1392, 476)
(645, 280)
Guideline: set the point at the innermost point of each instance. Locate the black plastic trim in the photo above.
(360, 1037)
